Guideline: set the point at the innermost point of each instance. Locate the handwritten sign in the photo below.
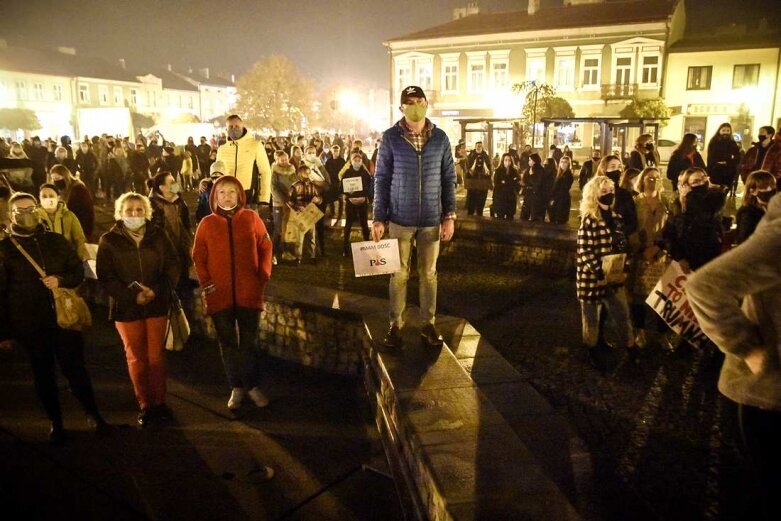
(376, 258)
(613, 268)
(352, 184)
(669, 300)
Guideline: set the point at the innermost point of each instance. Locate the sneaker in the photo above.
(431, 336)
(393, 338)
(257, 396)
(237, 395)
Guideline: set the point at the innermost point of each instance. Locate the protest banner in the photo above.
(613, 268)
(376, 258)
(352, 184)
(669, 300)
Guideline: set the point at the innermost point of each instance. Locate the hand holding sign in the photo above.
(376, 258)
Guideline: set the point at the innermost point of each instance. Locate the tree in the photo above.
(274, 94)
(19, 119)
(541, 102)
(654, 108)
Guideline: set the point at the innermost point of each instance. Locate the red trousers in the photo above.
(145, 353)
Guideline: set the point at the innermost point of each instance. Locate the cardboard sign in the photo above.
(669, 300)
(613, 268)
(376, 258)
(306, 219)
(352, 184)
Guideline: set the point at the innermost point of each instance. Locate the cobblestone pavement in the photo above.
(660, 435)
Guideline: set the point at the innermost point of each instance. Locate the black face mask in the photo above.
(766, 196)
(649, 147)
(724, 136)
(613, 175)
(762, 138)
(701, 189)
(607, 199)
(60, 184)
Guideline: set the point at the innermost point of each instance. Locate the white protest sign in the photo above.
(669, 300)
(352, 184)
(613, 268)
(376, 258)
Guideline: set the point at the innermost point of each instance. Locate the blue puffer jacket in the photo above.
(414, 188)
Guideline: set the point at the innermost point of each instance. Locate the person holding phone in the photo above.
(139, 267)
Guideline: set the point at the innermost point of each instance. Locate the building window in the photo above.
(699, 78)
(118, 96)
(21, 90)
(745, 76)
(476, 77)
(535, 69)
(565, 73)
(189, 102)
(84, 93)
(499, 74)
(590, 72)
(623, 71)
(425, 76)
(450, 77)
(103, 94)
(133, 97)
(38, 91)
(58, 93)
(650, 70)
(404, 75)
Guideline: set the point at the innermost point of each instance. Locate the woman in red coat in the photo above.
(232, 255)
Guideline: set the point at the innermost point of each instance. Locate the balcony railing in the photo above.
(619, 90)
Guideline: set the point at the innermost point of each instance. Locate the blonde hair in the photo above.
(589, 204)
(21, 153)
(641, 183)
(132, 196)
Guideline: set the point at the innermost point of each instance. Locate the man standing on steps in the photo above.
(415, 197)
(245, 159)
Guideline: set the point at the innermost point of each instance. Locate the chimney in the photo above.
(462, 12)
(67, 50)
(169, 67)
(204, 72)
(122, 63)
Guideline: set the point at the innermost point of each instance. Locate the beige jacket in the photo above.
(239, 158)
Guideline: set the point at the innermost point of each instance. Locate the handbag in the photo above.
(178, 330)
(72, 312)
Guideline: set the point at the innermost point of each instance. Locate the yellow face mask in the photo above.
(415, 112)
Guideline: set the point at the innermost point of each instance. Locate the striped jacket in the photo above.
(594, 242)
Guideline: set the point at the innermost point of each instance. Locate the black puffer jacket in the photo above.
(25, 303)
(154, 263)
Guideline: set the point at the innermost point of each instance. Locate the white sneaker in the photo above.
(237, 395)
(258, 397)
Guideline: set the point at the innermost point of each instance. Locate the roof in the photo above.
(170, 80)
(700, 44)
(586, 15)
(55, 63)
(213, 79)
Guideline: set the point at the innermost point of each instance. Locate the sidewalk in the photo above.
(317, 433)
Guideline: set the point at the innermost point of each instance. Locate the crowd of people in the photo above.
(155, 254)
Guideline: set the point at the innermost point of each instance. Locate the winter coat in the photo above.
(174, 218)
(754, 153)
(697, 234)
(723, 160)
(246, 160)
(154, 263)
(282, 178)
(359, 196)
(79, 201)
(625, 207)
(65, 223)
(747, 219)
(587, 171)
(679, 162)
(414, 188)
(737, 301)
(595, 240)
(233, 258)
(87, 165)
(772, 162)
(507, 184)
(561, 201)
(25, 303)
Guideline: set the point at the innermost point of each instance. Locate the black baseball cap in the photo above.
(413, 91)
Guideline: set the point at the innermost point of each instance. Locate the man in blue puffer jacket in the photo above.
(415, 194)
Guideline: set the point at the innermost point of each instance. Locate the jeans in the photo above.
(427, 243)
(67, 348)
(359, 213)
(240, 355)
(144, 342)
(616, 306)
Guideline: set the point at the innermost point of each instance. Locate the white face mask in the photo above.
(227, 208)
(134, 223)
(311, 157)
(49, 203)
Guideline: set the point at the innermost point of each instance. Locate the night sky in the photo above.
(328, 40)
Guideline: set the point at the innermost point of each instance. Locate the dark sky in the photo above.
(329, 40)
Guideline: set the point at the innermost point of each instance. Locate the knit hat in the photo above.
(218, 167)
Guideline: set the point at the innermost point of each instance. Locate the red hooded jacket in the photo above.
(232, 255)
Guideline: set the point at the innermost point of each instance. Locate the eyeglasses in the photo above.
(23, 211)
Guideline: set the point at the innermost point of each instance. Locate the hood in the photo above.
(217, 184)
(283, 170)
